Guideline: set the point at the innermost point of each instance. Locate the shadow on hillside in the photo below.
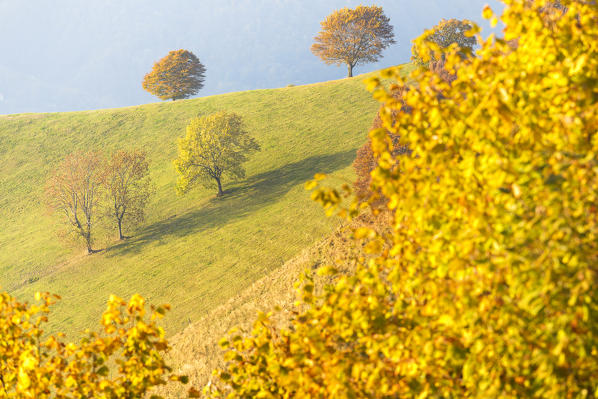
(240, 200)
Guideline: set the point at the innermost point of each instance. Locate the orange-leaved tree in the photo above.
(353, 36)
(125, 360)
(365, 161)
(178, 75)
(486, 287)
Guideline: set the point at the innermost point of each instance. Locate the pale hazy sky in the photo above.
(61, 55)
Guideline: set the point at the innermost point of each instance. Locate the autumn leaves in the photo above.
(353, 36)
(86, 186)
(87, 189)
(124, 360)
(178, 75)
(486, 285)
(214, 145)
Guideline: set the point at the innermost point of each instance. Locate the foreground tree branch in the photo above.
(486, 286)
(125, 359)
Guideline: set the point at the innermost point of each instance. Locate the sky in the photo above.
(67, 55)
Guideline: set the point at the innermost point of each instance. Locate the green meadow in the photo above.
(193, 252)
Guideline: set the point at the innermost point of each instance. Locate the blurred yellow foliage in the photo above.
(488, 286)
(125, 360)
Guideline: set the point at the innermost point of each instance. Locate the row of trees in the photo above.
(86, 186)
(348, 36)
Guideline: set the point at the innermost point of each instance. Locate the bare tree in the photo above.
(74, 189)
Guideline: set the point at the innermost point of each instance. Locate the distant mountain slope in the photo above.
(196, 251)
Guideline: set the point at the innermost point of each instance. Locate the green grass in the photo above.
(193, 252)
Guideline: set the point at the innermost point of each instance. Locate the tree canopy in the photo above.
(486, 287)
(128, 187)
(353, 36)
(178, 75)
(86, 185)
(214, 146)
(441, 37)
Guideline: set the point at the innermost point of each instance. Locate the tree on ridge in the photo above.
(353, 36)
(178, 75)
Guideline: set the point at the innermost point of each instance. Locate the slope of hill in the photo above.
(195, 351)
(193, 252)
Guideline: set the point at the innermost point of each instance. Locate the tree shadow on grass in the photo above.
(240, 200)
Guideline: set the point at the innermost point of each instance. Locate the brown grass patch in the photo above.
(195, 351)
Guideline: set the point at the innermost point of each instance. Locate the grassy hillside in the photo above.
(195, 351)
(193, 252)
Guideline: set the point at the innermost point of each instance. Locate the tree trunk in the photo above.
(220, 192)
(88, 242)
(120, 230)
(350, 70)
